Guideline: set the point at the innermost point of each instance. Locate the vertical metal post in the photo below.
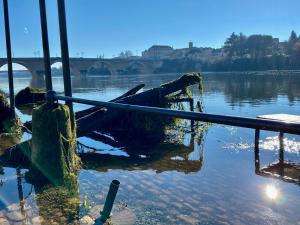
(256, 150)
(44, 29)
(109, 201)
(20, 192)
(192, 110)
(65, 54)
(281, 154)
(281, 148)
(9, 58)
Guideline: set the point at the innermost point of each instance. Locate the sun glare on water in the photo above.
(271, 192)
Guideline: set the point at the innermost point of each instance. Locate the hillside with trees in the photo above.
(241, 53)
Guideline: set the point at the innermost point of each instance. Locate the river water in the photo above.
(207, 178)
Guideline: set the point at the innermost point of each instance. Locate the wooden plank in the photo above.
(286, 118)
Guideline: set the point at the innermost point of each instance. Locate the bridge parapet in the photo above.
(81, 66)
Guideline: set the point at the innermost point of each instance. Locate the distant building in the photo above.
(157, 52)
(191, 44)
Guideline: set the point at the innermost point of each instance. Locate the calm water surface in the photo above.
(209, 178)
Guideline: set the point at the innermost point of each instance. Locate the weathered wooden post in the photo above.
(53, 154)
(54, 143)
(9, 57)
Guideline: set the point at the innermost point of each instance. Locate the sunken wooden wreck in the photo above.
(117, 122)
(133, 125)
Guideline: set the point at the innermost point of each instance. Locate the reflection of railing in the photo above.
(284, 170)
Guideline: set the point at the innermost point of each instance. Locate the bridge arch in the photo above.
(101, 68)
(17, 65)
(56, 68)
(19, 71)
(136, 67)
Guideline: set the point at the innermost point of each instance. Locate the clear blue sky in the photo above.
(110, 26)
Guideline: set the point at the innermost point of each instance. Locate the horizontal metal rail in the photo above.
(262, 124)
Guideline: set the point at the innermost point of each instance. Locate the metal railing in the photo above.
(258, 124)
(254, 123)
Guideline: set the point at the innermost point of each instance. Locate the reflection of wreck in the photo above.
(52, 201)
(162, 157)
(287, 171)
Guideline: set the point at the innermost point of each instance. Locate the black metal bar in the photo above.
(256, 150)
(246, 122)
(9, 57)
(281, 147)
(109, 201)
(65, 53)
(192, 110)
(46, 51)
(281, 154)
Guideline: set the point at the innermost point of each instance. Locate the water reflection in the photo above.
(237, 88)
(285, 170)
(253, 88)
(159, 158)
(271, 192)
(62, 205)
(176, 183)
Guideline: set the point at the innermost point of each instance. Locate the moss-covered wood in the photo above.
(30, 95)
(6, 113)
(54, 144)
(57, 205)
(138, 123)
(10, 126)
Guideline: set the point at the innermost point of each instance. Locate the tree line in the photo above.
(241, 53)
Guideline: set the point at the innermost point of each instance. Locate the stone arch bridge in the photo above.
(81, 66)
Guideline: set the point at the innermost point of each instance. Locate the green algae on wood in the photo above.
(54, 144)
(155, 97)
(152, 127)
(57, 205)
(6, 112)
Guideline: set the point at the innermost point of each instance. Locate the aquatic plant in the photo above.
(58, 205)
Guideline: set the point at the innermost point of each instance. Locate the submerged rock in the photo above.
(121, 215)
(30, 95)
